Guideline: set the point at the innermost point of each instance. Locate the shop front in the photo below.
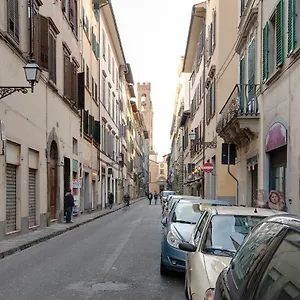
(276, 150)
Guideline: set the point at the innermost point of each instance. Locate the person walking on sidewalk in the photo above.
(111, 200)
(69, 203)
(155, 197)
(127, 199)
(150, 196)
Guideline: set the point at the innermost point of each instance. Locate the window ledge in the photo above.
(52, 85)
(295, 53)
(274, 76)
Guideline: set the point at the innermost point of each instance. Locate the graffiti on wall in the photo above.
(272, 200)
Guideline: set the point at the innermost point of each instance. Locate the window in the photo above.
(117, 79)
(75, 146)
(93, 86)
(13, 19)
(252, 250)
(213, 32)
(87, 77)
(109, 58)
(161, 171)
(186, 212)
(293, 25)
(273, 42)
(96, 92)
(103, 91)
(70, 8)
(108, 99)
(226, 233)
(200, 228)
(71, 90)
(113, 106)
(52, 57)
(243, 6)
(281, 278)
(103, 44)
(113, 70)
(211, 102)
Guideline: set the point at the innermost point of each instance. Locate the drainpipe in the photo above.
(229, 172)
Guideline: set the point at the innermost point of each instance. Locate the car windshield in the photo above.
(166, 194)
(226, 233)
(186, 212)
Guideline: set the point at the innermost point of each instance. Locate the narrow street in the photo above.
(115, 257)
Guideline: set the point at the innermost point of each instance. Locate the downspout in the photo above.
(229, 172)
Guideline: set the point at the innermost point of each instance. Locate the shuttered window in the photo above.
(213, 31)
(103, 44)
(32, 197)
(13, 19)
(280, 33)
(266, 52)
(109, 58)
(103, 91)
(86, 121)
(91, 125)
(96, 131)
(242, 6)
(44, 42)
(52, 56)
(11, 198)
(87, 80)
(74, 83)
(242, 80)
(67, 76)
(291, 26)
(251, 71)
(212, 99)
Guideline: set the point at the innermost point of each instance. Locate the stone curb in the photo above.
(59, 232)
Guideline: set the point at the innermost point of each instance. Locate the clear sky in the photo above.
(154, 35)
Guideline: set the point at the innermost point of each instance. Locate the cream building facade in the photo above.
(72, 131)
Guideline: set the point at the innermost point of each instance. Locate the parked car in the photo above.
(267, 265)
(164, 195)
(177, 228)
(213, 242)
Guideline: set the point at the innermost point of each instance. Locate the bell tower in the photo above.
(144, 104)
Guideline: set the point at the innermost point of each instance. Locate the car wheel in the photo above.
(163, 269)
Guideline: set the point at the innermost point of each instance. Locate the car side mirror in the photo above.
(164, 221)
(187, 247)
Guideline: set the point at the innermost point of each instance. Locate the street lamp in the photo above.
(32, 73)
(192, 135)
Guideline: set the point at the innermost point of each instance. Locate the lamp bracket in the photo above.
(8, 90)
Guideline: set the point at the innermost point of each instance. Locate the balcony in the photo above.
(239, 121)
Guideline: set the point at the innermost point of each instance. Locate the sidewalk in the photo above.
(19, 243)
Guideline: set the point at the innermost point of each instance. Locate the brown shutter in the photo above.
(73, 82)
(66, 62)
(44, 43)
(63, 5)
(81, 90)
(35, 37)
(71, 12)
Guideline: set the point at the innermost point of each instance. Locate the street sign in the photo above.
(208, 167)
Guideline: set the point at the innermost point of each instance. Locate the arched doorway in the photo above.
(53, 179)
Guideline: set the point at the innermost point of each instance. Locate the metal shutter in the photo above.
(11, 197)
(32, 197)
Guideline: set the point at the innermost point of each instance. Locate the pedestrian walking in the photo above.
(155, 197)
(127, 199)
(111, 200)
(150, 196)
(69, 204)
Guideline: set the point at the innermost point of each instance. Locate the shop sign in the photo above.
(276, 137)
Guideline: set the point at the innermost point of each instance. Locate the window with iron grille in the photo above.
(13, 19)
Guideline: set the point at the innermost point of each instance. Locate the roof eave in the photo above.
(198, 14)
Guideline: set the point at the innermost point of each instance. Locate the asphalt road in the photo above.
(113, 258)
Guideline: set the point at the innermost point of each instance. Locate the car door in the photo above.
(195, 262)
(280, 278)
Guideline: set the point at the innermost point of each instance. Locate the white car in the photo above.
(215, 238)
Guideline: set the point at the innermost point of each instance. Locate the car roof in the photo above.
(286, 219)
(203, 201)
(242, 211)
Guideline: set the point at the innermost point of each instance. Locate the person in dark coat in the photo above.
(69, 204)
(111, 200)
(150, 196)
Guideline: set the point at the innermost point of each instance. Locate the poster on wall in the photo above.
(272, 200)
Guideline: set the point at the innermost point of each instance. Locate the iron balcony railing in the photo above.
(242, 102)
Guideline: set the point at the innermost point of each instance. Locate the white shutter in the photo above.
(11, 198)
(32, 197)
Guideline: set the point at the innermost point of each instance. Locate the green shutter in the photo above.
(96, 131)
(242, 6)
(291, 26)
(280, 34)
(266, 52)
(98, 51)
(86, 121)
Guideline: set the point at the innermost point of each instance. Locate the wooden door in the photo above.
(52, 193)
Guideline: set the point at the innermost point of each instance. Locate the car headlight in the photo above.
(173, 239)
(209, 294)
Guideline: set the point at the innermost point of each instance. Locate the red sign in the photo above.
(208, 167)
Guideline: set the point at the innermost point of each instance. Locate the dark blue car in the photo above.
(177, 228)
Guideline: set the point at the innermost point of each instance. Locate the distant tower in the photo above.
(145, 107)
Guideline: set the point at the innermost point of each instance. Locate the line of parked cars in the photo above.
(230, 252)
